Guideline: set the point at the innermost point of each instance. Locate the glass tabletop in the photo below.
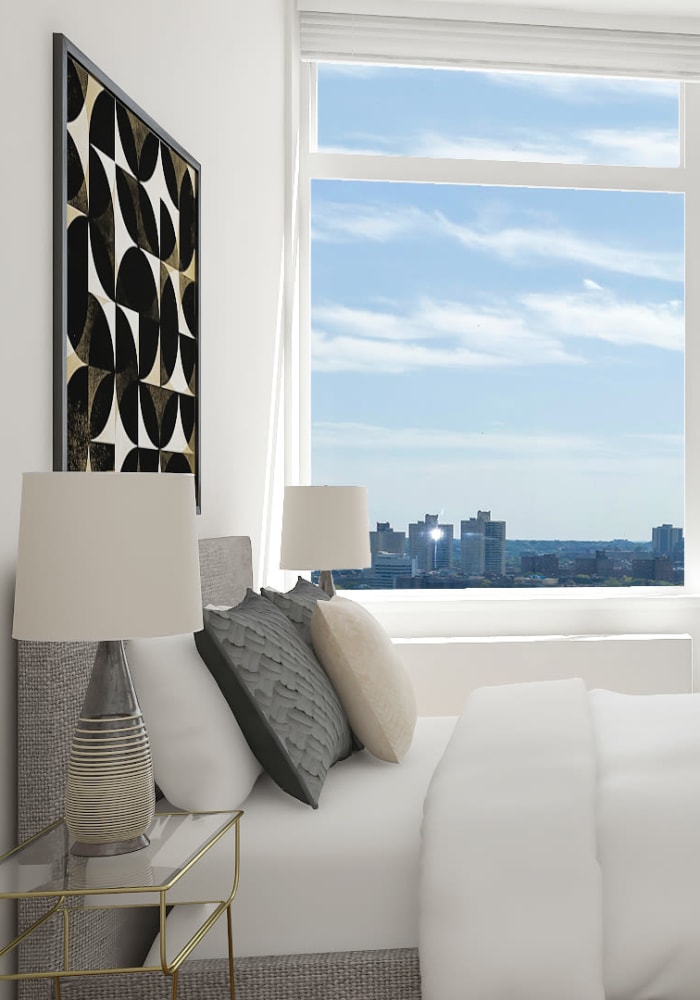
(44, 866)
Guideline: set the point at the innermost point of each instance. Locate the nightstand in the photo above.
(42, 869)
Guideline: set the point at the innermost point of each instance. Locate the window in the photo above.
(496, 319)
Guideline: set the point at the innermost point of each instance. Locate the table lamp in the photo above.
(325, 528)
(107, 556)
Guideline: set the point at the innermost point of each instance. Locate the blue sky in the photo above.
(509, 349)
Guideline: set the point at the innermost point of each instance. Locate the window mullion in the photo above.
(690, 129)
(505, 173)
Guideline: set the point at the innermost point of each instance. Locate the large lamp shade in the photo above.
(107, 556)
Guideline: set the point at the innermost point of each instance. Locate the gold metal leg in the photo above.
(56, 988)
(174, 985)
(231, 984)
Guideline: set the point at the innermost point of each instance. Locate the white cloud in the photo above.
(642, 147)
(433, 440)
(535, 329)
(592, 285)
(340, 222)
(601, 316)
(632, 147)
(364, 322)
(430, 335)
(517, 244)
(334, 354)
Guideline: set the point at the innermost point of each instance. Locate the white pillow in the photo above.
(201, 760)
(367, 673)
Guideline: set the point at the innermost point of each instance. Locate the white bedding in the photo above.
(342, 877)
(560, 848)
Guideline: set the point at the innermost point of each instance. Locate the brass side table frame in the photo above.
(74, 885)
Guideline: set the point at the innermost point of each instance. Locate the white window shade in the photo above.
(488, 45)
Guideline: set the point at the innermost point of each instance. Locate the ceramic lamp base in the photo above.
(85, 850)
(110, 799)
(325, 582)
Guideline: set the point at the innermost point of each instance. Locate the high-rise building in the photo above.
(389, 567)
(430, 544)
(472, 546)
(385, 539)
(667, 541)
(495, 547)
(483, 545)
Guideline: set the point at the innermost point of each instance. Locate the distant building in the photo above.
(472, 534)
(539, 565)
(598, 565)
(483, 545)
(430, 544)
(656, 568)
(389, 567)
(667, 541)
(495, 552)
(385, 539)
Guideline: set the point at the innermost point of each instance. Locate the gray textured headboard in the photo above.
(51, 683)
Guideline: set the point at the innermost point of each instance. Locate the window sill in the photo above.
(518, 594)
(580, 611)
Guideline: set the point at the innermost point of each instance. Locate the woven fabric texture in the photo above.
(359, 975)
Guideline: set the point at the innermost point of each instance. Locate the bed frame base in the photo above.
(351, 975)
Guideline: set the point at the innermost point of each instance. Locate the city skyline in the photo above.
(515, 349)
(478, 552)
(403, 527)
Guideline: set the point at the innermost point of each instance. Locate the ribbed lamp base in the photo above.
(110, 799)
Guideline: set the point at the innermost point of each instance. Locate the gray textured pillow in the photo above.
(298, 604)
(279, 693)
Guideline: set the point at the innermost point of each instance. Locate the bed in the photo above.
(542, 845)
(356, 956)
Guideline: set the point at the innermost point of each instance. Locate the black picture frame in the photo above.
(126, 243)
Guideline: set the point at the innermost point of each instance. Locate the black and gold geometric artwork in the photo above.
(128, 329)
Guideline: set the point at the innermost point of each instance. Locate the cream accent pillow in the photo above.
(201, 759)
(365, 669)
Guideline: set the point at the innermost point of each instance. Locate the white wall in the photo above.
(445, 671)
(211, 73)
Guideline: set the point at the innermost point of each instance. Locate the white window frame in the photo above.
(513, 611)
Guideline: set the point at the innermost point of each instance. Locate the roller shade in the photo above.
(488, 45)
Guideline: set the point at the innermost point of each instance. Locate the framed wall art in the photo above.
(126, 282)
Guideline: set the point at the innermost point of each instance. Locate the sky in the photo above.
(517, 350)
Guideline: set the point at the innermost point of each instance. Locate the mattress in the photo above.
(343, 877)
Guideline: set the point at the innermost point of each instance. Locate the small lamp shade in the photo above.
(325, 527)
(106, 555)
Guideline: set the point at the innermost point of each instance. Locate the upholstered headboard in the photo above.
(51, 683)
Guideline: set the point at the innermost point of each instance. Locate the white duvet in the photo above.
(561, 848)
